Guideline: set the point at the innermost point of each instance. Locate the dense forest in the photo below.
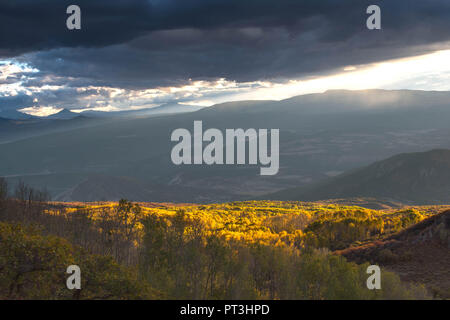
(239, 250)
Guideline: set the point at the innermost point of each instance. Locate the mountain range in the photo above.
(321, 136)
(15, 125)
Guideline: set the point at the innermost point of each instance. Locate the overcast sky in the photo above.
(142, 53)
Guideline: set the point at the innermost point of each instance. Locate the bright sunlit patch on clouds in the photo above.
(427, 72)
(40, 111)
(11, 77)
(200, 103)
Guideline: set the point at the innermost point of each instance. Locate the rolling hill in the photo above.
(422, 177)
(101, 187)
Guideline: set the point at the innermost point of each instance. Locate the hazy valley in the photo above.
(321, 136)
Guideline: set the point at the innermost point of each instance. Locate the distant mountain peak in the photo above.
(64, 114)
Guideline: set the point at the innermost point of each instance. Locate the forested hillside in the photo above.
(419, 178)
(239, 250)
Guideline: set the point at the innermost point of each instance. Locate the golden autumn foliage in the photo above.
(265, 222)
(238, 250)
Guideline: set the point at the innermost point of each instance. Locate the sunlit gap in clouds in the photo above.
(12, 74)
(426, 72)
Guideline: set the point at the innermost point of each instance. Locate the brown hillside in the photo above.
(419, 254)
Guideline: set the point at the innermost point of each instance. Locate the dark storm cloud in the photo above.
(30, 25)
(33, 25)
(149, 43)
